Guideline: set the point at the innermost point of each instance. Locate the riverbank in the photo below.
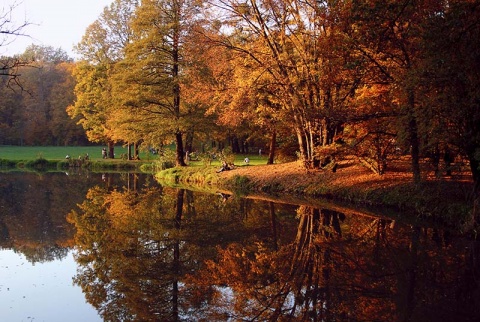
(41, 164)
(445, 199)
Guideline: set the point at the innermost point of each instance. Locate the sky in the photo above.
(56, 23)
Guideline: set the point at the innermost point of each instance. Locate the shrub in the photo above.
(7, 163)
(40, 164)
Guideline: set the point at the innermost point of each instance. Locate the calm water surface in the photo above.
(120, 247)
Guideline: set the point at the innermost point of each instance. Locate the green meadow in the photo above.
(58, 153)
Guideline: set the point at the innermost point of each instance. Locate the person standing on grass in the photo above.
(104, 153)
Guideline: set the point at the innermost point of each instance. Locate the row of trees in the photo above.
(33, 106)
(35, 88)
(366, 78)
(333, 77)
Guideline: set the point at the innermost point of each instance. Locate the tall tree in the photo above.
(101, 47)
(388, 35)
(149, 79)
(11, 118)
(452, 78)
(243, 98)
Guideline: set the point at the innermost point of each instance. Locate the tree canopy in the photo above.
(316, 81)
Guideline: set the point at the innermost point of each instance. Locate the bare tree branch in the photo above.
(9, 31)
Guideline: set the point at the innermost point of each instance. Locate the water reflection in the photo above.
(135, 248)
(167, 254)
(151, 253)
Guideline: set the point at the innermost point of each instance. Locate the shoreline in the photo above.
(443, 200)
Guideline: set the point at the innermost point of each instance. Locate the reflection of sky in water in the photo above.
(41, 292)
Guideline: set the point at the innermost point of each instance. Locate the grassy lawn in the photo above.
(58, 152)
(95, 153)
(239, 161)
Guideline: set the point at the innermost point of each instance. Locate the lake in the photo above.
(83, 246)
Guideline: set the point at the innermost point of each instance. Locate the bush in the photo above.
(41, 164)
(7, 163)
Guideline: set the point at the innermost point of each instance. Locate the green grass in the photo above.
(23, 156)
(59, 152)
(239, 161)
(95, 153)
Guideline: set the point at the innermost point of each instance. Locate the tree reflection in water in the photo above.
(348, 269)
(161, 254)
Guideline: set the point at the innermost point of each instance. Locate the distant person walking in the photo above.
(104, 153)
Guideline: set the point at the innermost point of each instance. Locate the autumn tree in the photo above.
(48, 90)
(10, 114)
(243, 99)
(101, 47)
(299, 47)
(150, 78)
(388, 35)
(452, 82)
(199, 82)
(371, 133)
(35, 112)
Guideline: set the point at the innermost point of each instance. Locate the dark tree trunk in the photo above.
(235, 145)
(273, 219)
(179, 160)
(136, 153)
(189, 141)
(271, 153)
(111, 150)
(413, 138)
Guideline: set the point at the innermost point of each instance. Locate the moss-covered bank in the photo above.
(41, 164)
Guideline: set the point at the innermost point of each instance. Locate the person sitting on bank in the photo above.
(224, 167)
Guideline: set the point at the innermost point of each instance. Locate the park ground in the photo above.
(293, 177)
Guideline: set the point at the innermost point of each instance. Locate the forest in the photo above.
(307, 80)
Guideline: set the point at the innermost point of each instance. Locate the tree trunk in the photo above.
(111, 150)
(136, 153)
(271, 153)
(273, 219)
(475, 169)
(179, 159)
(176, 265)
(413, 137)
(301, 144)
(189, 141)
